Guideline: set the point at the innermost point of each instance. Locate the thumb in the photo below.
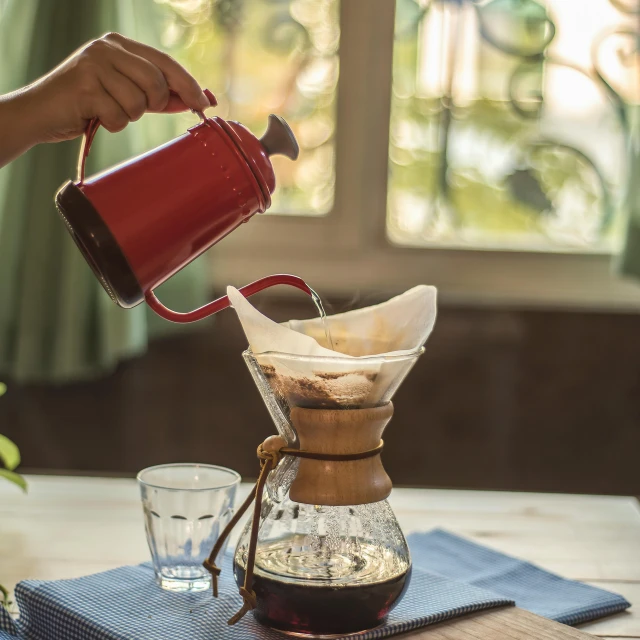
(176, 105)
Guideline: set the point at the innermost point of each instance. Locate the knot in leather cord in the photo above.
(215, 572)
(271, 457)
(250, 603)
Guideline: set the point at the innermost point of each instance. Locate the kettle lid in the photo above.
(278, 139)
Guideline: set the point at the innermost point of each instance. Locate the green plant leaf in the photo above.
(3, 388)
(9, 453)
(4, 597)
(15, 478)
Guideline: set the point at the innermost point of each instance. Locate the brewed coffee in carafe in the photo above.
(324, 554)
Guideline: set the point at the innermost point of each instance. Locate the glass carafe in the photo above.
(330, 558)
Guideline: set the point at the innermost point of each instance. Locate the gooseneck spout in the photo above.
(223, 302)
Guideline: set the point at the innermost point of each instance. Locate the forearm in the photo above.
(17, 126)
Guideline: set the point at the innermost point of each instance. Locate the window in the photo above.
(502, 133)
(259, 57)
(477, 145)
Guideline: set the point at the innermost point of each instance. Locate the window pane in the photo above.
(502, 133)
(270, 56)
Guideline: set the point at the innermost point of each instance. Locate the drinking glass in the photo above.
(186, 507)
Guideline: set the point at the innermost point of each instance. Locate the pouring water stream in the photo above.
(323, 317)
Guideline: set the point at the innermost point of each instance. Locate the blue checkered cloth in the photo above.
(451, 577)
(532, 588)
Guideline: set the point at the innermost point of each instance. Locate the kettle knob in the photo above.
(279, 139)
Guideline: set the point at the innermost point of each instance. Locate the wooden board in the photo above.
(621, 625)
(509, 623)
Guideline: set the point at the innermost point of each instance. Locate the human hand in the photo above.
(114, 79)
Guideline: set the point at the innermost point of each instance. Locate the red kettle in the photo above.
(142, 221)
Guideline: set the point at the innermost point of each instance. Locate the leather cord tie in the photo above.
(270, 452)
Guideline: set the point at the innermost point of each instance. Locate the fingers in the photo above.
(176, 77)
(111, 115)
(120, 79)
(145, 75)
(175, 104)
(131, 98)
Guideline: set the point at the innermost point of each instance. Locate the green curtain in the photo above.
(629, 263)
(56, 322)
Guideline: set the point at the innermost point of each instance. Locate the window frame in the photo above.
(347, 250)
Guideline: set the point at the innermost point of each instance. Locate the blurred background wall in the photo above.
(502, 399)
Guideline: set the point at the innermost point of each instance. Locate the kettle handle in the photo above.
(176, 106)
(87, 139)
(224, 302)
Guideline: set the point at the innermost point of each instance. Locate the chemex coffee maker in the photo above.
(142, 221)
(323, 555)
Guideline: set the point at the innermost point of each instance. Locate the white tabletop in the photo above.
(70, 526)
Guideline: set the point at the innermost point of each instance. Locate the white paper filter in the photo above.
(375, 348)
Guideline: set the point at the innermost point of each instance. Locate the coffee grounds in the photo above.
(324, 390)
